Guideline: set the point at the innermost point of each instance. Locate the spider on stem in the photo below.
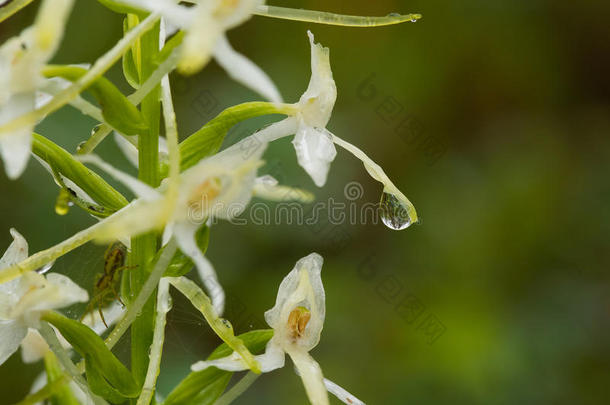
(105, 284)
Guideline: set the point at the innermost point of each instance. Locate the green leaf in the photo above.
(205, 386)
(106, 374)
(98, 383)
(132, 69)
(182, 264)
(213, 391)
(209, 138)
(89, 181)
(119, 7)
(117, 110)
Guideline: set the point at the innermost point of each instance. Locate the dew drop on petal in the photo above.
(394, 213)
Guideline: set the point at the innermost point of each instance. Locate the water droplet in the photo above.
(80, 146)
(63, 203)
(95, 129)
(43, 269)
(394, 213)
(227, 324)
(393, 15)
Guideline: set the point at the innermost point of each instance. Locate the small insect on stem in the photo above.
(105, 284)
(297, 322)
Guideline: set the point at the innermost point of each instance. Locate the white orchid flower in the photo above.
(297, 320)
(315, 145)
(205, 25)
(23, 299)
(313, 142)
(21, 60)
(217, 187)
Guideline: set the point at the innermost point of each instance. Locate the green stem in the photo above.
(144, 246)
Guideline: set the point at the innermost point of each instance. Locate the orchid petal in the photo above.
(315, 152)
(311, 374)
(39, 293)
(15, 147)
(138, 187)
(11, 334)
(244, 71)
(185, 237)
(33, 347)
(272, 359)
(341, 393)
(16, 252)
(319, 99)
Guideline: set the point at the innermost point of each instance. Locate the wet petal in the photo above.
(11, 335)
(244, 71)
(315, 152)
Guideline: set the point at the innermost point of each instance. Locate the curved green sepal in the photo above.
(117, 110)
(207, 385)
(98, 383)
(209, 138)
(63, 395)
(132, 69)
(119, 7)
(104, 371)
(91, 183)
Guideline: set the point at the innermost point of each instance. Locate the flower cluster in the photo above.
(180, 189)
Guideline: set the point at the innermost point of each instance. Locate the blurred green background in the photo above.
(491, 116)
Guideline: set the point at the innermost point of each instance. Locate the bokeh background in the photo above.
(493, 118)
